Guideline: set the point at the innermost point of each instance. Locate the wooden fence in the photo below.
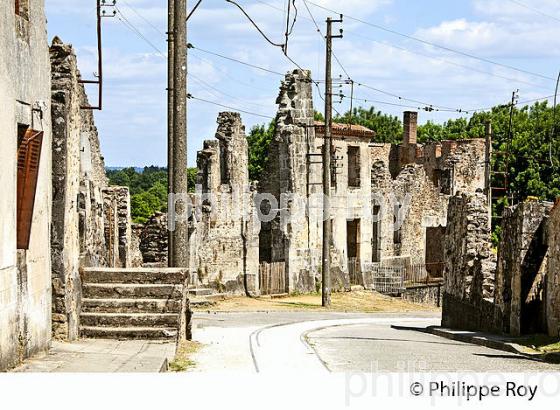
(272, 278)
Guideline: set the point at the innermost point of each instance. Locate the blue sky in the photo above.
(133, 123)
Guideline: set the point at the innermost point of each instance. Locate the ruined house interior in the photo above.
(69, 256)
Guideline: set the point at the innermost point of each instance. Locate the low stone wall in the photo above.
(461, 314)
(424, 294)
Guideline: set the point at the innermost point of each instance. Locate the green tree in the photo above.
(259, 140)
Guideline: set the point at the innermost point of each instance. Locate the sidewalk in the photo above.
(492, 341)
(103, 356)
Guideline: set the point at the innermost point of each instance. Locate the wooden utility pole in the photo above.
(488, 170)
(327, 168)
(170, 109)
(180, 175)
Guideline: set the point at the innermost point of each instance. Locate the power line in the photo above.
(282, 46)
(122, 18)
(465, 54)
(136, 31)
(314, 21)
(542, 13)
(191, 46)
(192, 97)
(428, 106)
(515, 80)
(142, 17)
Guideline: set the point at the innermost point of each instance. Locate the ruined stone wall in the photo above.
(521, 270)
(225, 237)
(295, 242)
(118, 228)
(553, 274)
(90, 221)
(469, 266)
(78, 181)
(25, 302)
(153, 240)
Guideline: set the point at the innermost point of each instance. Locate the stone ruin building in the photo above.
(25, 124)
(514, 292)
(373, 185)
(67, 249)
(224, 238)
(265, 237)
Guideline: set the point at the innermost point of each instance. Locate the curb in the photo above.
(494, 344)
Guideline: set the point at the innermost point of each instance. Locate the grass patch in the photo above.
(541, 343)
(182, 361)
(351, 302)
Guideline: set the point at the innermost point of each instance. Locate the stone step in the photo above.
(135, 275)
(130, 319)
(131, 291)
(131, 305)
(147, 333)
(201, 291)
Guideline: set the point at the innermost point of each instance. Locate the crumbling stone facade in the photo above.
(516, 295)
(290, 170)
(25, 302)
(521, 270)
(470, 266)
(91, 223)
(224, 238)
(153, 240)
(387, 201)
(553, 275)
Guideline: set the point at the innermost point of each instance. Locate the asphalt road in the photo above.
(338, 342)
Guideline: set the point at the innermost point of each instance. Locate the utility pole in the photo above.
(170, 109)
(514, 99)
(327, 168)
(180, 175)
(488, 170)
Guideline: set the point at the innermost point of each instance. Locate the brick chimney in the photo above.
(410, 127)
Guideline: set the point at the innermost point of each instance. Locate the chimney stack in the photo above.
(410, 127)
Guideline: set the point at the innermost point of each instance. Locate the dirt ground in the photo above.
(351, 302)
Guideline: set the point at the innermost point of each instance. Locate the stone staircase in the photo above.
(139, 303)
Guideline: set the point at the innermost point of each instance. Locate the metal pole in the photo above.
(180, 175)
(170, 137)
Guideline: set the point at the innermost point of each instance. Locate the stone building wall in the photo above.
(553, 275)
(409, 184)
(25, 285)
(118, 228)
(470, 266)
(521, 270)
(153, 240)
(515, 295)
(225, 235)
(290, 170)
(91, 223)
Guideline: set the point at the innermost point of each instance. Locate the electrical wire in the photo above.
(542, 13)
(417, 39)
(191, 46)
(142, 17)
(192, 97)
(136, 31)
(282, 46)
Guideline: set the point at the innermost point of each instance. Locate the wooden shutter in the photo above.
(29, 156)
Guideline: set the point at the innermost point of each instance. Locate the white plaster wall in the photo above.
(25, 76)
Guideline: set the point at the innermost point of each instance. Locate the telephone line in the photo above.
(388, 30)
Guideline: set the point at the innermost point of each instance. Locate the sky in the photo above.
(512, 33)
